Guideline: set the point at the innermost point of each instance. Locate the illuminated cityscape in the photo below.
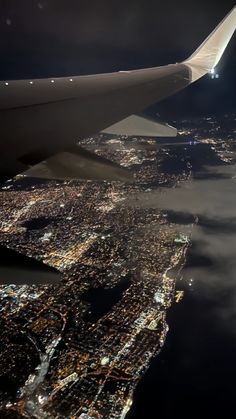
(79, 348)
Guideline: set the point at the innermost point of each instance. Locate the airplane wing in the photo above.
(41, 120)
(45, 117)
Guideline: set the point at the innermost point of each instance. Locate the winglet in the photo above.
(207, 56)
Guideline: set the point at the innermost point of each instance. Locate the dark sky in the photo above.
(65, 37)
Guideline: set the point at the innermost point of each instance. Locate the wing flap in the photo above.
(79, 163)
(137, 125)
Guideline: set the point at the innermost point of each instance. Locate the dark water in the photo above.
(195, 374)
(37, 223)
(103, 299)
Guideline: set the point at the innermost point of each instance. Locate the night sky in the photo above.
(41, 38)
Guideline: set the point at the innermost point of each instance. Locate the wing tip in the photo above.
(209, 53)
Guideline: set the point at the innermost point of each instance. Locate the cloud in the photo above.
(213, 198)
(212, 257)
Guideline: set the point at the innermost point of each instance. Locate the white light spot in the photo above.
(52, 81)
(6, 84)
(159, 297)
(105, 360)
(31, 82)
(42, 399)
(46, 237)
(71, 79)
(212, 71)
